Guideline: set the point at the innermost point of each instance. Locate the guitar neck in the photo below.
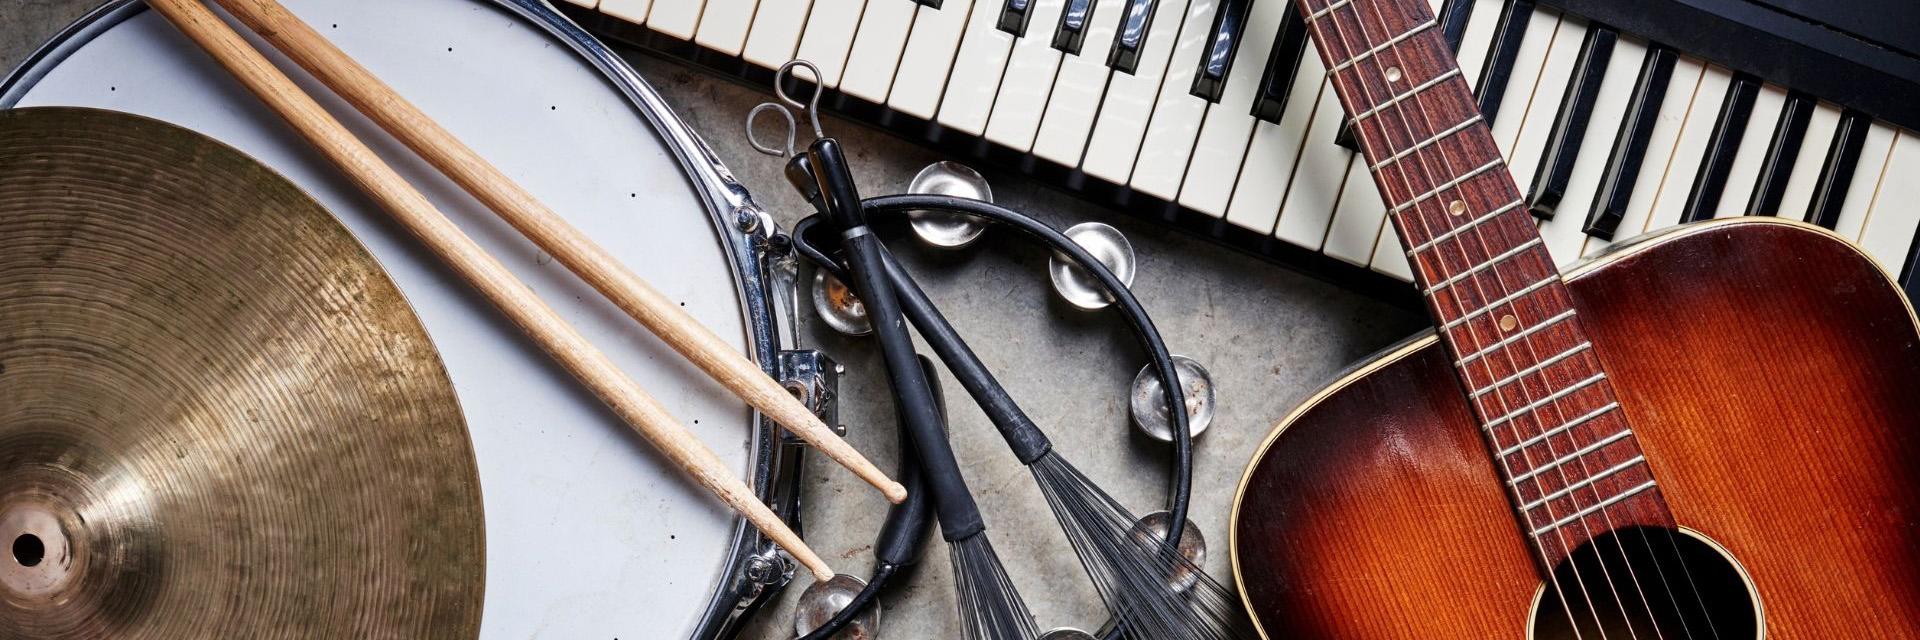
(1548, 413)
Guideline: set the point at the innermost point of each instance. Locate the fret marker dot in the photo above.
(1456, 207)
(1508, 322)
(1393, 74)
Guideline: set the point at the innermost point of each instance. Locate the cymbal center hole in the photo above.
(28, 550)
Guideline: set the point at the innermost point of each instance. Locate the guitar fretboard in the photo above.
(1547, 410)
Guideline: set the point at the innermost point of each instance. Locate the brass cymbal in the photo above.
(218, 417)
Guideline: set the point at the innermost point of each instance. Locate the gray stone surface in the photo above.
(1270, 337)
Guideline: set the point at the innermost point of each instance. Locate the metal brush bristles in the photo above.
(990, 607)
(1153, 589)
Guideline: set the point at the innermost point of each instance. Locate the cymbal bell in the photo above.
(218, 417)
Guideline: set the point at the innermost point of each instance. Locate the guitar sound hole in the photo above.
(1629, 583)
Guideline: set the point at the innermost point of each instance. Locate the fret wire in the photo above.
(1384, 46)
(1583, 451)
(1513, 338)
(1482, 265)
(1593, 509)
(1476, 119)
(1576, 350)
(1463, 228)
(1450, 324)
(1329, 9)
(1549, 399)
(1588, 481)
(1449, 185)
(1398, 98)
(1560, 429)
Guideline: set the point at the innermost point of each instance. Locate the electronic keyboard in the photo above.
(1618, 118)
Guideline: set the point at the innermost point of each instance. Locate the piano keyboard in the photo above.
(1212, 115)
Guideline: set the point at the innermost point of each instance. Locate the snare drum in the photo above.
(589, 533)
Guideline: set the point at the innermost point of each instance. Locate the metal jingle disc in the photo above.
(218, 417)
(1107, 245)
(1152, 529)
(1149, 403)
(822, 600)
(948, 229)
(836, 304)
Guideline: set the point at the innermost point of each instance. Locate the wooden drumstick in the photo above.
(549, 231)
(481, 270)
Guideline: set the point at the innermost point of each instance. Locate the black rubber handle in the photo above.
(1021, 434)
(959, 514)
(900, 538)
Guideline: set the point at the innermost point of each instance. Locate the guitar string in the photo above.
(1554, 404)
(1361, 134)
(1619, 545)
(1560, 416)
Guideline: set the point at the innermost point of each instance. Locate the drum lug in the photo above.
(814, 378)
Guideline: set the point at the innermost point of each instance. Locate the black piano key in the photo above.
(1344, 136)
(1500, 57)
(1289, 47)
(1836, 174)
(1014, 16)
(1630, 145)
(1909, 267)
(1216, 60)
(931, 4)
(1072, 33)
(1130, 42)
(1722, 144)
(1453, 21)
(1777, 166)
(1570, 125)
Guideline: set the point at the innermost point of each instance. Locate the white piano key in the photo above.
(1177, 114)
(1565, 234)
(1225, 132)
(1389, 256)
(1077, 90)
(1475, 41)
(876, 49)
(1752, 152)
(1028, 82)
(1891, 222)
(634, 11)
(1806, 165)
(1276, 150)
(724, 23)
(1536, 128)
(775, 33)
(1357, 217)
(675, 18)
(1315, 190)
(1525, 77)
(1684, 164)
(976, 71)
(1874, 153)
(1674, 107)
(829, 36)
(1115, 142)
(584, 3)
(928, 57)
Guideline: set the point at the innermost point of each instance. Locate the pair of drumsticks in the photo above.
(519, 208)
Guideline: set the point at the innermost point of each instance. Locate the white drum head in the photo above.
(590, 533)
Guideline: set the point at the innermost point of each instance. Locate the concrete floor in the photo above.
(1270, 337)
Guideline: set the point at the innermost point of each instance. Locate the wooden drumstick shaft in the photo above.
(549, 231)
(482, 271)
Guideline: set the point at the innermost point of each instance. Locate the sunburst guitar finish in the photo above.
(1771, 373)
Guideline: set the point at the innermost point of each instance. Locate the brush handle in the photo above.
(1020, 432)
(959, 515)
(906, 525)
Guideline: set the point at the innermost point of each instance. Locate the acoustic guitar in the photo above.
(1712, 433)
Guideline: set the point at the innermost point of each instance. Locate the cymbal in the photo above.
(218, 417)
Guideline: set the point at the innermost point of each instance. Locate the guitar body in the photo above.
(1771, 373)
